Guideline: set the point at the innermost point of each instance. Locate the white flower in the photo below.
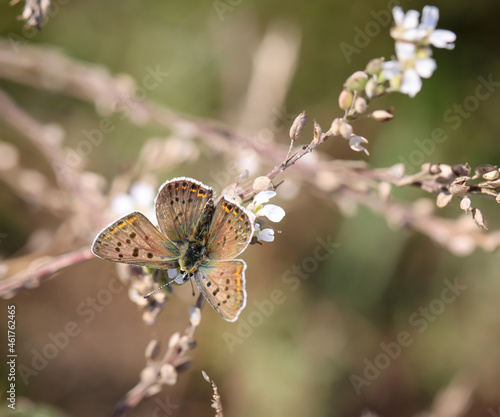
(407, 28)
(440, 38)
(271, 211)
(410, 67)
(356, 144)
(140, 197)
(264, 235)
(258, 210)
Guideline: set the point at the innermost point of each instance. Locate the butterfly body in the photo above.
(199, 235)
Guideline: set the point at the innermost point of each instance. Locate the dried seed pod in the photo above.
(483, 169)
(317, 133)
(478, 218)
(491, 175)
(443, 198)
(152, 349)
(465, 204)
(298, 125)
(461, 170)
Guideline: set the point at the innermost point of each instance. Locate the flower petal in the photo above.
(442, 38)
(425, 67)
(430, 17)
(391, 69)
(398, 15)
(266, 235)
(356, 144)
(405, 51)
(272, 212)
(263, 197)
(411, 19)
(411, 83)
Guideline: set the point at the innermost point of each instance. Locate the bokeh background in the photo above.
(301, 359)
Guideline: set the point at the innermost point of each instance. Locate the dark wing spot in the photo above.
(150, 255)
(135, 252)
(227, 280)
(118, 243)
(146, 237)
(228, 296)
(117, 249)
(128, 241)
(132, 235)
(209, 283)
(226, 288)
(215, 292)
(120, 255)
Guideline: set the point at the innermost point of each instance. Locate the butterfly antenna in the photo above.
(164, 285)
(158, 289)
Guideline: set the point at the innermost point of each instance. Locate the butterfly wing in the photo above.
(133, 239)
(222, 283)
(230, 231)
(179, 205)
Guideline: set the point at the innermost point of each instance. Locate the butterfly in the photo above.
(198, 234)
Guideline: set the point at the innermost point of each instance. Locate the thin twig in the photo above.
(34, 274)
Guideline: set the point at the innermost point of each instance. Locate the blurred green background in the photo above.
(301, 359)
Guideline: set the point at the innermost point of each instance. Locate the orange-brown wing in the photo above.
(230, 231)
(133, 239)
(179, 205)
(222, 283)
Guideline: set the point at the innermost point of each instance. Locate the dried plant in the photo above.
(78, 196)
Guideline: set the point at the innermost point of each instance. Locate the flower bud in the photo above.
(345, 130)
(360, 105)
(374, 66)
(382, 115)
(357, 81)
(371, 88)
(345, 99)
(262, 184)
(335, 127)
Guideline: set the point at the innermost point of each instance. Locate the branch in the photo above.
(41, 268)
